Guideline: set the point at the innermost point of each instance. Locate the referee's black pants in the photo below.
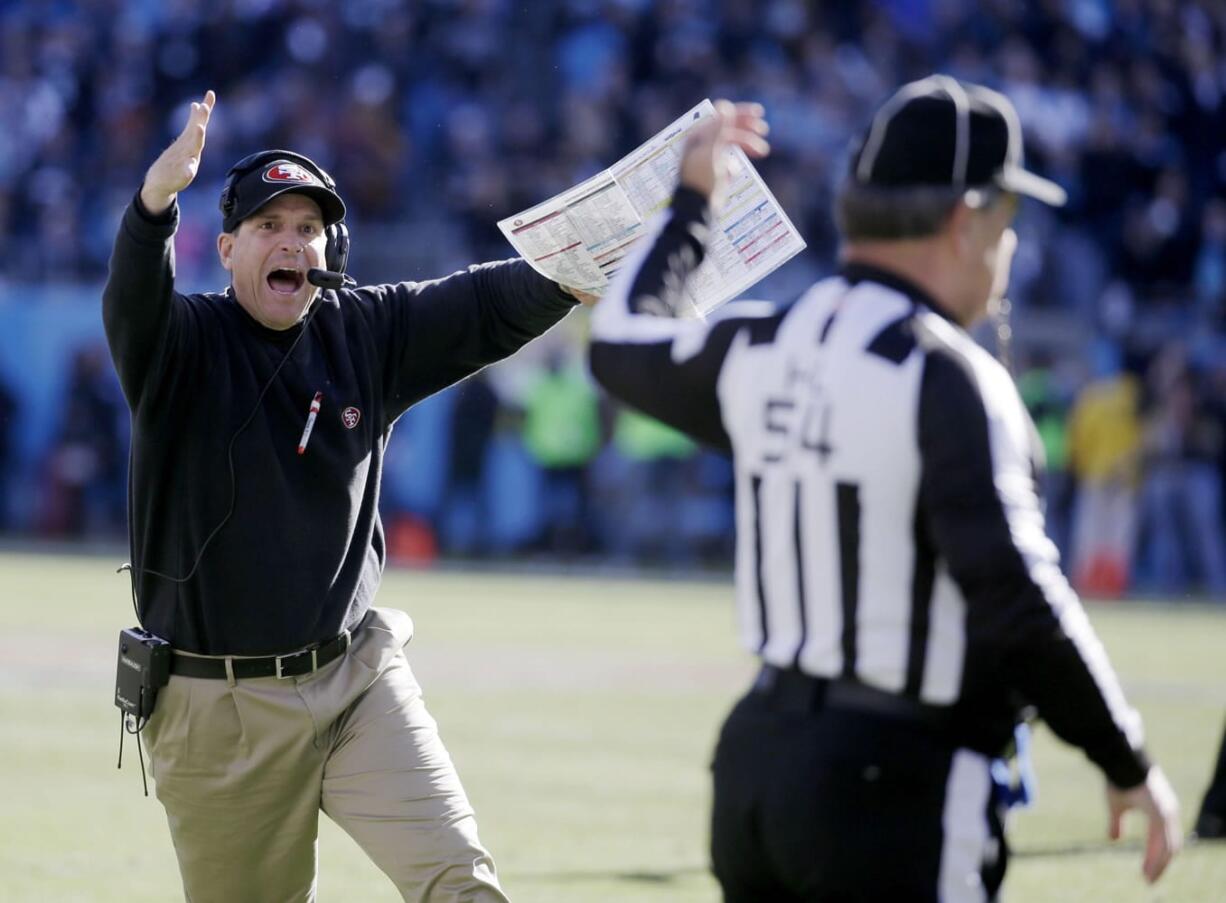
(815, 801)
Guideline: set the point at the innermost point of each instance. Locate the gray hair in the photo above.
(876, 213)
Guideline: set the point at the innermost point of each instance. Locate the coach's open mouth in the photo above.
(285, 281)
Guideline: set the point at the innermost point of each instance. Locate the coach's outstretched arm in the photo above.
(136, 303)
(443, 330)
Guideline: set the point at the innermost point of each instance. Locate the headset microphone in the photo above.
(328, 279)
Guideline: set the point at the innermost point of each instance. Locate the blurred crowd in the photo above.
(440, 117)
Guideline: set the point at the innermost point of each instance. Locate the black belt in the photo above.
(789, 689)
(293, 664)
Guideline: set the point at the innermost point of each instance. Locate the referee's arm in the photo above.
(666, 367)
(1026, 629)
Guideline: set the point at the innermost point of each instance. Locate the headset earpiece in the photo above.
(336, 254)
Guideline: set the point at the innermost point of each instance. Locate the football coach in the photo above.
(892, 569)
(260, 418)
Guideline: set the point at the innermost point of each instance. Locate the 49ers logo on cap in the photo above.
(284, 171)
(350, 417)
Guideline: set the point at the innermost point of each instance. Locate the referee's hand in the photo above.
(1157, 800)
(704, 159)
(175, 169)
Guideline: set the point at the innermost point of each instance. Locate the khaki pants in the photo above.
(243, 769)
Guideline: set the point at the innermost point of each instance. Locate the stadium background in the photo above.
(581, 711)
(440, 117)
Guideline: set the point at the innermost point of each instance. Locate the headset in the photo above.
(336, 253)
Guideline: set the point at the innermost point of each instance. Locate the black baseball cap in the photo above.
(939, 131)
(257, 179)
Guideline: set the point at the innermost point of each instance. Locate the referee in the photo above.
(892, 569)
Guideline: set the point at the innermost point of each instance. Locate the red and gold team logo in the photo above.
(284, 171)
(350, 417)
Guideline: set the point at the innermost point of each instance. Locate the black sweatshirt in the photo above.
(300, 558)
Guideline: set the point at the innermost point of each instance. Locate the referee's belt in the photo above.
(239, 667)
(789, 689)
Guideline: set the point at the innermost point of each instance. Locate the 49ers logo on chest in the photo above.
(350, 417)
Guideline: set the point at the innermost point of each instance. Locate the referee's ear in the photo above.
(960, 230)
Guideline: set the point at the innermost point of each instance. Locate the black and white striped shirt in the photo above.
(888, 528)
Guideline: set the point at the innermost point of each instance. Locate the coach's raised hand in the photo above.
(175, 169)
(704, 161)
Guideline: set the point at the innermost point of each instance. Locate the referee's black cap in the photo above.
(939, 131)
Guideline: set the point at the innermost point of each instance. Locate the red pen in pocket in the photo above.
(310, 424)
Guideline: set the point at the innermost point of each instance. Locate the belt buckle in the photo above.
(280, 659)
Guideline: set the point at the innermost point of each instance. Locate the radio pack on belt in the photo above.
(143, 669)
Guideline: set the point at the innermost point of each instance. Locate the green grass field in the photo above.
(581, 713)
